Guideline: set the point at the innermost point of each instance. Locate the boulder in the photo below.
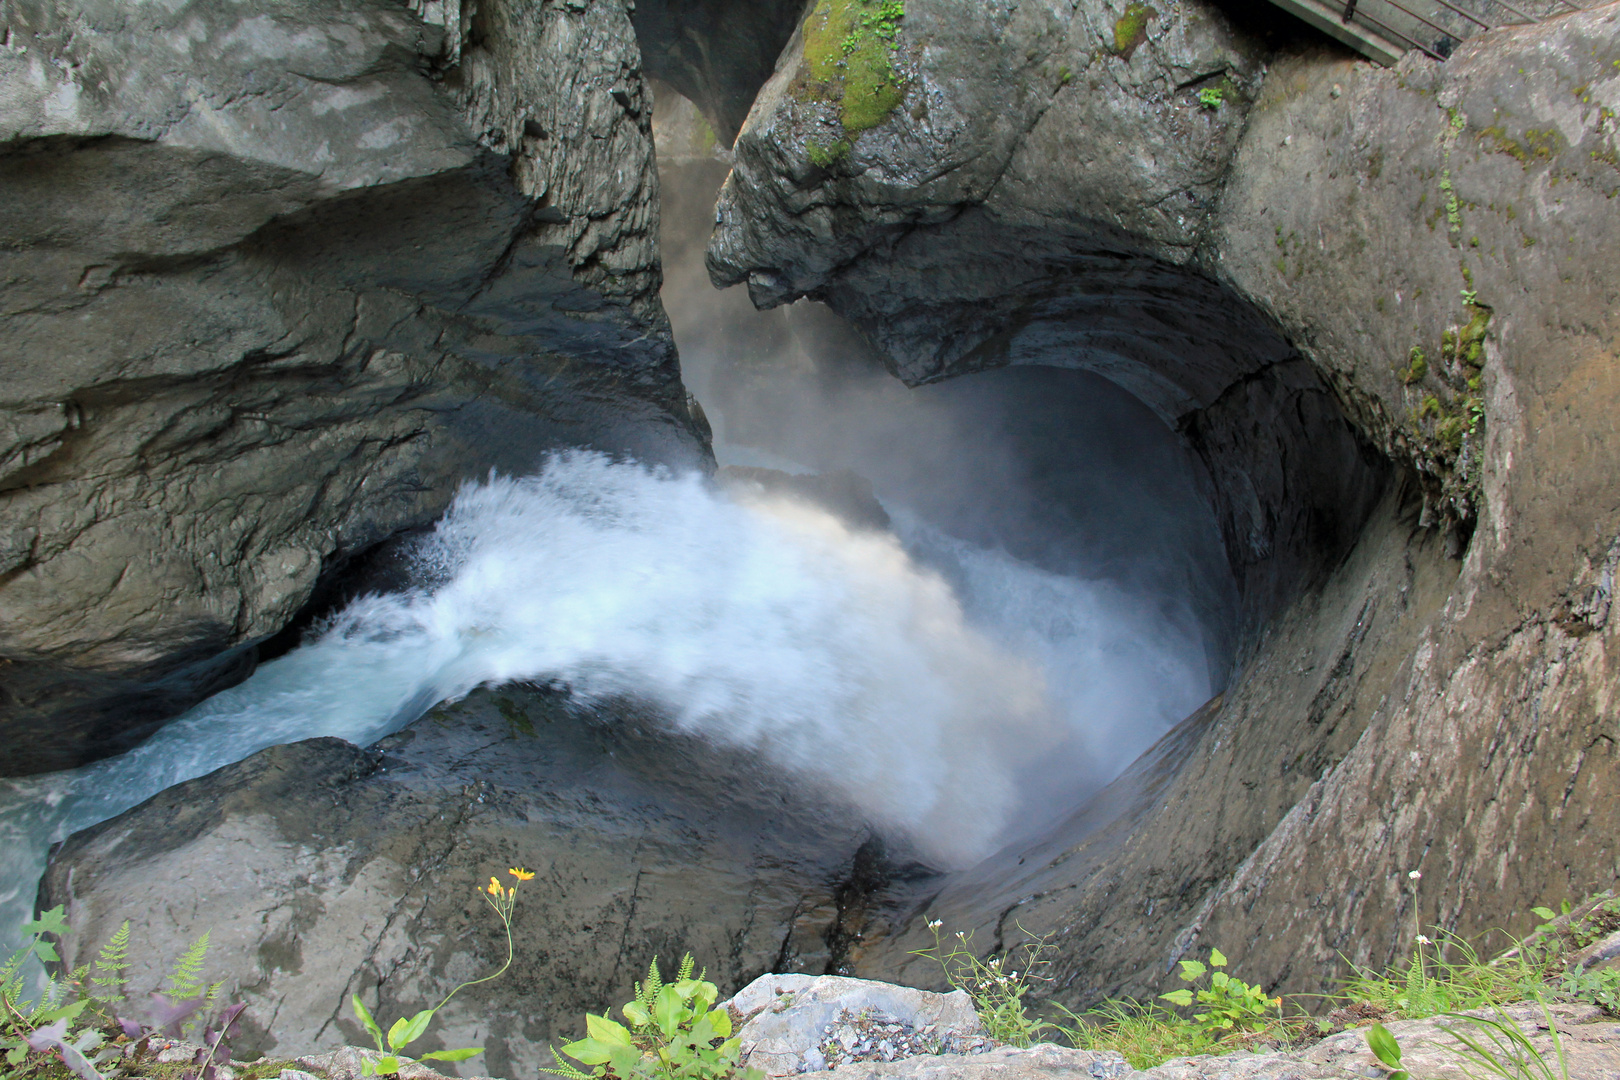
(276, 279)
(322, 870)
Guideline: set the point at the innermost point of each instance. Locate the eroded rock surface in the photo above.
(323, 870)
(1439, 699)
(276, 279)
(1043, 195)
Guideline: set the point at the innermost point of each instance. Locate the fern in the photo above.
(647, 991)
(111, 966)
(185, 981)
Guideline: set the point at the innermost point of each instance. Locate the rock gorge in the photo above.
(280, 278)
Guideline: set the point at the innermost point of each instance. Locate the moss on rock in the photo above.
(849, 48)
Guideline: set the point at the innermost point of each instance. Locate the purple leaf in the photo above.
(228, 1020)
(132, 1028)
(52, 1035)
(167, 1015)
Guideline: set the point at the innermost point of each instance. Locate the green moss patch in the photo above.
(1130, 30)
(849, 52)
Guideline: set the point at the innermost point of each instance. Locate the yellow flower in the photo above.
(494, 887)
(521, 874)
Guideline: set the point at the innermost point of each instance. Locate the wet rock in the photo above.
(322, 870)
(1426, 552)
(1042, 195)
(275, 281)
(717, 53)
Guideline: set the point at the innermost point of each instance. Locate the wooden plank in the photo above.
(1327, 19)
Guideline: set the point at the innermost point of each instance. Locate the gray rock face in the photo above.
(717, 53)
(1438, 698)
(1042, 196)
(323, 870)
(277, 278)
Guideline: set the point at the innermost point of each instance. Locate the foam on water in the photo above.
(926, 689)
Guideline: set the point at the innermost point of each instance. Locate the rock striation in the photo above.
(277, 278)
(1380, 304)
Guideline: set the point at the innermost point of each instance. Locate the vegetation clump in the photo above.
(674, 1032)
(1130, 30)
(1444, 977)
(850, 49)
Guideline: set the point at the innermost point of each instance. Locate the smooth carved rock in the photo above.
(1433, 686)
(322, 870)
(276, 278)
(1045, 195)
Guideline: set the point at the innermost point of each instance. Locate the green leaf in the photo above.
(1384, 1046)
(637, 1014)
(719, 1022)
(49, 922)
(1217, 958)
(607, 1031)
(364, 1014)
(1191, 969)
(588, 1051)
(388, 1064)
(452, 1055)
(404, 1032)
(1179, 997)
(66, 1012)
(669, 1009)
(1219, 980)
(1543, 913)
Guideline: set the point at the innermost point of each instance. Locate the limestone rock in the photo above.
(276, 279)
(322, 870)
(790, 1019)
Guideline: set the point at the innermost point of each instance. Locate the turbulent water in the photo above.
(939, 687)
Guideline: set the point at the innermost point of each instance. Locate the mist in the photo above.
(1065, 515)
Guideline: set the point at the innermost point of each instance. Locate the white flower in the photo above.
(1422, 940)
(1413, 874)
(935, 924)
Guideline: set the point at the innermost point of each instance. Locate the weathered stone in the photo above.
(276, 279)
(1040, 1062)
(788, 1016)
(322, 870)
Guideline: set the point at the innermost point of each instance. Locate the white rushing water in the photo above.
(932, 684)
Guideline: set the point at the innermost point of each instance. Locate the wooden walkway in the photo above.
(1385, 30)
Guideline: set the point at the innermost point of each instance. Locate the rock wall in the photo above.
(1043, 195)
(716, 53)
(276, 279)
(1437, 697)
